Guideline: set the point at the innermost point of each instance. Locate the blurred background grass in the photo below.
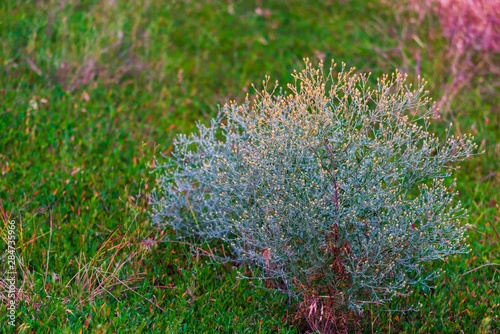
(91, 90)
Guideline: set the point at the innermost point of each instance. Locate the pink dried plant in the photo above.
(471, 23)
(467, 23)
(473, 30)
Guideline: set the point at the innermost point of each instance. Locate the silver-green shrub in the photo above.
(334, 188)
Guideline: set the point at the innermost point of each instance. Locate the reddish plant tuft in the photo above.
(469, 24)
(473, 30)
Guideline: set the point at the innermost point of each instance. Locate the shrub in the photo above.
(336, 190)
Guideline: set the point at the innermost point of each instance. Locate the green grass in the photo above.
(115, 81)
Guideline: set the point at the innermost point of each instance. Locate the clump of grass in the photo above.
(107, 272)
(335, 189)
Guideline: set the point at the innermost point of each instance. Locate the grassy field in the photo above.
(91, 90)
